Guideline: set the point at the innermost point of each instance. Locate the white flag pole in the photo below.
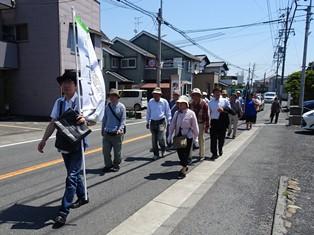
(79, 96)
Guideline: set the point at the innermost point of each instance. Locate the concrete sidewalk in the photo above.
(243, 199)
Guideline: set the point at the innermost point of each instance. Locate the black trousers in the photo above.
(185, 153)
(272, 117)
(217, 136)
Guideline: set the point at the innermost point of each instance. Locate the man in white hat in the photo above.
(200, 107)
(158, 116)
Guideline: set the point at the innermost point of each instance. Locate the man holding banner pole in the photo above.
(84, 91)
(72, 154)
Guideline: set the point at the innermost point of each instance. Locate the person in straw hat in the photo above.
(113, 127)
(200, 107)
(184, 123)
(158, 116)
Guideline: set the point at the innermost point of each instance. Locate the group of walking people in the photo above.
(187, 120)
(178, 125)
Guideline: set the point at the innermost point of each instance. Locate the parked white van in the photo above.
(269, 96)
(134, 99)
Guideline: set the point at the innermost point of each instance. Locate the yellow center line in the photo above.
(57, 161)
(21, 127)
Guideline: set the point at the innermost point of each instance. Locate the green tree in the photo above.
(293, 85)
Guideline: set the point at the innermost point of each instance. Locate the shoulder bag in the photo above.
(69, 134)
(116, 116)
(179, 141)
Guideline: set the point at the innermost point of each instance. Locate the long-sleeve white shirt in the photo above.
(214, 104)
(158, 110)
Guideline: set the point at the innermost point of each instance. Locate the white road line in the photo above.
(52, 137)
(155, 213)
(21, 127)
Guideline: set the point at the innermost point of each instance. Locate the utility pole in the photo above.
(252, 76)
(264, 84)
(160, 21)
(285, 41)
(277, 68)
(137, 23)
(307, 29)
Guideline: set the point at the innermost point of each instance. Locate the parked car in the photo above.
(269, 96)
(261, 102)
(134, 99)
(308, 120)
(308, 106)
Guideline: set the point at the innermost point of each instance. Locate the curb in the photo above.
(278, 227)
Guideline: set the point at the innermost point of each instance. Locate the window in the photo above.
(21, 32)
(71, 43)
(15, 33)
(114, 63)
(8, 33)
(130, 94)
(189, 66)
(129, 63)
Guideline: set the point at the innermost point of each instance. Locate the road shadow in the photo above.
(98, 171)
(304, 132)
(133, 159)
(170, 163)
(171, 175)
(28, 217)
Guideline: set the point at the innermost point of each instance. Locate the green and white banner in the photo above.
(92, 85)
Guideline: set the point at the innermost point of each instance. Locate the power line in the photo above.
(233, 27)
(151, 14)
(270, 25)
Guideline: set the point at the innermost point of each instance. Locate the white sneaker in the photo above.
(155, 157)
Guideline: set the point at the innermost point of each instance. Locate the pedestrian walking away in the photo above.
(184, 124)
(250, 112)
(113, 130)
(72, 154)
(234, 118)
(173, 107)
(275, 110)
(205, 96)
(158, 116)
(200, 107)
(241, 100)
(219, 122)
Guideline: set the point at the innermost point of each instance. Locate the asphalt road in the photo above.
(240, 202)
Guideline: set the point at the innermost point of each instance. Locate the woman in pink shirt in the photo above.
(184, 123)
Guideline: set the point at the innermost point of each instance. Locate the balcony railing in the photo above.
(8, 55)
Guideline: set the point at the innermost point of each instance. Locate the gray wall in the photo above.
(89, 10)
(149, 44)
(33, 85)
(137, 74)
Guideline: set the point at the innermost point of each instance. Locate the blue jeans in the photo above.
(74, 184)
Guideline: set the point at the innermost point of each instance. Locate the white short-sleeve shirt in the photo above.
(72, 103)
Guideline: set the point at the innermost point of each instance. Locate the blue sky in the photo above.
(242, 47)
